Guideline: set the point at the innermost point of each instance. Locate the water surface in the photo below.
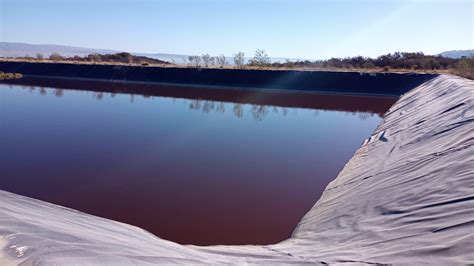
(241, 168)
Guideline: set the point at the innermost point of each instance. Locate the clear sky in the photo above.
(284, 28)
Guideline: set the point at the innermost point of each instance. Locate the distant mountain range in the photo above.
(13, 49)
(458, 53)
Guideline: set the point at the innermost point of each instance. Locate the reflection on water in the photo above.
(338, 102)
(189, 165)
(256, 111)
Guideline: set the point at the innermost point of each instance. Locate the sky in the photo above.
(303, 29)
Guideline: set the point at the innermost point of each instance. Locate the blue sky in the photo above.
(284, 28)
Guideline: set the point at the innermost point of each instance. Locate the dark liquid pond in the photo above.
(241, 168)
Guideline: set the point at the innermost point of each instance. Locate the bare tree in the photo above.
(208, 106)
(212, 60)
(239, 59)
(220, 108)
(238, 110)
(39, 56)
(260, 58)
(221, 60)
(58, 92)
(259, 112)
(195, 104)
(206, 58)
(195, 60)
(99, 95)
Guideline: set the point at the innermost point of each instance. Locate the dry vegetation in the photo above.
(118, 58)
(4, 75)
(397, 62)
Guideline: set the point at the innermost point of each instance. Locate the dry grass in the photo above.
(4, 75)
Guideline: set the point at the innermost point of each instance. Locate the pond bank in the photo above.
(392, 84)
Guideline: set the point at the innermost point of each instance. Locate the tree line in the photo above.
(122, 57)
(393, 61)
(398, 60)
(260, 59)
(222, 61)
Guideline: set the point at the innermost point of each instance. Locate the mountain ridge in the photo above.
(458, 53)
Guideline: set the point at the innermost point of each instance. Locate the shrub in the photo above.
(56, 57)
(4, 75)
(465, 68)
(260, 59)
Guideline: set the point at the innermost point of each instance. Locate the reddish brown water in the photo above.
(220, 170)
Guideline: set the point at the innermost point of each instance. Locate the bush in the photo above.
(4, 75)
(94, 58)
(465, 68)
(56, 57)
(260, 59)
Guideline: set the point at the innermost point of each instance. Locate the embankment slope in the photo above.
(405, 197)
(302, 81)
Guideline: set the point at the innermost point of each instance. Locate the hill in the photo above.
(458, 53)
(13, 49)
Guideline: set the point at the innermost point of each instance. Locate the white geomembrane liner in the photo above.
(407, 197)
